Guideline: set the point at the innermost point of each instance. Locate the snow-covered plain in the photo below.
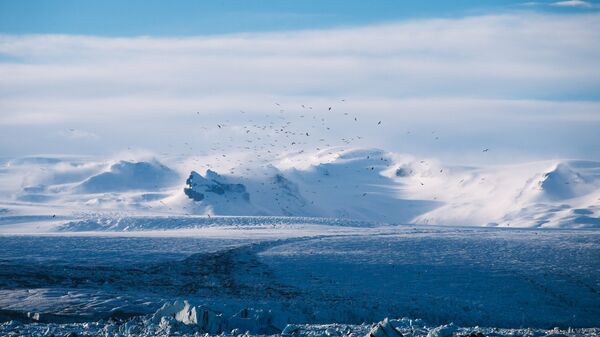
(275, 275)
(315, 244)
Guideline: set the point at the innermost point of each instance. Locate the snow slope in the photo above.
(343, 184)
(369, 185)
(541, 194)
(373, 185)
(128, 176)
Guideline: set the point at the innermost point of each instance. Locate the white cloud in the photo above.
(76, 134)
(501, 67)
(573, 3)
(491, 56)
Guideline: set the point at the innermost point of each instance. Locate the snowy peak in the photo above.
(377, 186)
(128, 175)
(368, 185)
(287, 196)
(538, 194)
(271, 194)
(570, 179)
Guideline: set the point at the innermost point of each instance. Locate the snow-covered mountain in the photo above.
(374, 185)
(539, 194)
(361, 184)
(128, 176)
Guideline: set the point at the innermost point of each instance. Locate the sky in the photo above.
(446, 79)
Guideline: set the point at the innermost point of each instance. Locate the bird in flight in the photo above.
(486, 150)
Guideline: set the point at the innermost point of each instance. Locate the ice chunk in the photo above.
(384, 329)
(443, 331)
(185, 313)
(254, 321)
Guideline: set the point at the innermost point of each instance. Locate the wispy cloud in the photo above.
(76, 134)
(574, 3)
(533, 65)
(579, 4)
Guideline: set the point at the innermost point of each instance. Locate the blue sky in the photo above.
(100, 77)
(189, 17)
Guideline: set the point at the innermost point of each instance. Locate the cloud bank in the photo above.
(574, 3)
(537, 69)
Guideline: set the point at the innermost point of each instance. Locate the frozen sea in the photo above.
(488, 277)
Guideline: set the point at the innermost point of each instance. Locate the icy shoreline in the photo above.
(183, 319)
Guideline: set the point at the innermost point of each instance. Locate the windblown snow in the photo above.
(369, 185)
(130, 176)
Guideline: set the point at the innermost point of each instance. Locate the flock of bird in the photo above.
(289, 131)
(285, 131)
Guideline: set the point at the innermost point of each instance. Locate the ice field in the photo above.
(279, 274)
(319, 244)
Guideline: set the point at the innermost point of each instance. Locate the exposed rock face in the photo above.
(199, 187)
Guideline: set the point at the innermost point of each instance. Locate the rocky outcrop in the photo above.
(199, 188)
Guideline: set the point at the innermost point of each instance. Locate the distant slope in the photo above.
(542, 194)
(347, 185)
(127, 176)
(368, 185)
(373, 185)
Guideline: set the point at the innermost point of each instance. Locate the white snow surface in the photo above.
(302, 280)
(368, 185)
